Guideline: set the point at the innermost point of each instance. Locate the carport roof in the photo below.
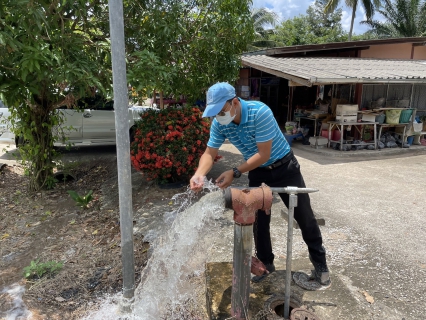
(320, 71)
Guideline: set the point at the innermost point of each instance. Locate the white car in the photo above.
(81, 127)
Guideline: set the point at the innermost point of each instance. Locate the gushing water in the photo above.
(13, 297)
(179, 255)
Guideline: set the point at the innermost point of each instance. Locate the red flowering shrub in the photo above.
(168, 143)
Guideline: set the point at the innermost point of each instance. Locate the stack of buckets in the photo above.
(395, 116)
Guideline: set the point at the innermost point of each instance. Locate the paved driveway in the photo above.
(374, 206)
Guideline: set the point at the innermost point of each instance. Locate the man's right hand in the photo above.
(197, 183)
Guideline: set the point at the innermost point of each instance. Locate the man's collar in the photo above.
(244, 113)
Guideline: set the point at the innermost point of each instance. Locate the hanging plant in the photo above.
(169, 143)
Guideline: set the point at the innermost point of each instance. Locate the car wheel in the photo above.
(132, 134)
(19, 141)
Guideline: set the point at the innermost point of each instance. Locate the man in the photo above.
(251, 127)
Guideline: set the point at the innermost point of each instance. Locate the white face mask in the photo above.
(227, 118)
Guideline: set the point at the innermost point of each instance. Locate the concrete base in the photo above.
(337, 302)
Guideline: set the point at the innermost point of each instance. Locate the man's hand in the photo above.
(197, 183)
(225, 179)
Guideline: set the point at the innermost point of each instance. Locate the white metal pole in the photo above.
(292, 204)
(123, 150)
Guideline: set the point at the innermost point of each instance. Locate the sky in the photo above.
(288, 9)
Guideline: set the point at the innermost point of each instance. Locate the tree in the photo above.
(314, 27)
(263, 18)
(369, 7)
(53, 53)
(404, 18)
(182, 47)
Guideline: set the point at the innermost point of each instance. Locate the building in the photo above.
(356, 72)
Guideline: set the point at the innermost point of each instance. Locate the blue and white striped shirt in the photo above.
(257, 125)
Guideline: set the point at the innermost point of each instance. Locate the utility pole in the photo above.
(121, 102)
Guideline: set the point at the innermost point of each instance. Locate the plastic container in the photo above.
(405, 115)
(381, 118)
(336, 134)
(289, 129)
(417, 127)
(392, 116)
(410, 140)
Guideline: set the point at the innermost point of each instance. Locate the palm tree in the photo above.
(369, 6)
(263, 18)
(404, 18)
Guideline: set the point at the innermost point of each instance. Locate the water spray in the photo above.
(245, 202)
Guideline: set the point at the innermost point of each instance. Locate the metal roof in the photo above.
(315, 71)
(335, 46)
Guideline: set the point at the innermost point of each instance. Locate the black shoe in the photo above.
(321, 274)
(323, 278)
(270, 267)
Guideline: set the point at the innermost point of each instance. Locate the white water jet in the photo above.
(13, 296)
(178, 255)
(179, 251)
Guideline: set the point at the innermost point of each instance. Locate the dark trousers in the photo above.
(288, 174)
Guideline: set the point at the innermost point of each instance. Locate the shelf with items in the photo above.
(359, 127)
(402, 121)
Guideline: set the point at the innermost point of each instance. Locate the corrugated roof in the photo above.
(357, 45)
(314, 71)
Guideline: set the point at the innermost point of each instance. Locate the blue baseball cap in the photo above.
(217, 95)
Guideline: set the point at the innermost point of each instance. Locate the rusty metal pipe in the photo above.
(245, 202)
(241, 274)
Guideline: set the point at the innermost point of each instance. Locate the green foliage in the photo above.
(404, 18)
(38, 269)
(263, 18)
(169, 143)
(81, 201)
(313, 28)
(369, 8)
(52, 53)
(182, 47)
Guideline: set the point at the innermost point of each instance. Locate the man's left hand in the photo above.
(225, 179)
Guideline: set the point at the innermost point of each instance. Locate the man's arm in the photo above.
(263, 154)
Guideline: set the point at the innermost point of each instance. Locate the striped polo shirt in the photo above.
(257, 125)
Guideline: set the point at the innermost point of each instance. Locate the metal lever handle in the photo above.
(289, 190)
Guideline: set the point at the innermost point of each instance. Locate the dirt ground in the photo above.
(49, 226)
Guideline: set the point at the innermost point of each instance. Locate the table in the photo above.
(387, 125)
(312, 119)
(340, 126)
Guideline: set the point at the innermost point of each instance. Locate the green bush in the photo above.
(168, 143)
(81, 201)
(38, 269)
